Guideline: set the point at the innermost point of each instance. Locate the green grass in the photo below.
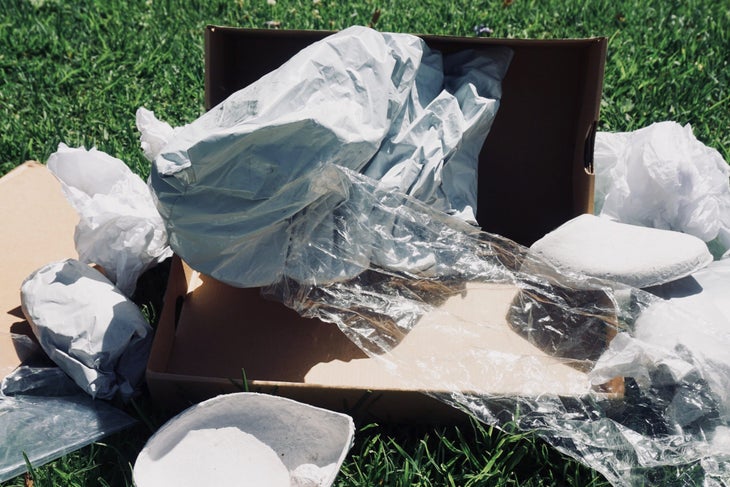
(75, 72)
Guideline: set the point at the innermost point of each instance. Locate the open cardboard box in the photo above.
(38, 227)
(535, 174)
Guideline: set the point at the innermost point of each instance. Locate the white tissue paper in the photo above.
(233, 184)
(661, 176)
(87, 327)
(119, 227)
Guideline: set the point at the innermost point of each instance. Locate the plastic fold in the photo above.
(580, 369)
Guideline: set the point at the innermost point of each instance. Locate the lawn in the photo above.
(75, 72)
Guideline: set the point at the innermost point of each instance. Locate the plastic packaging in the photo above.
(640, 412)
(377, 103)
(87, 327)
(119, 227)
(661, 176)
(46, 428)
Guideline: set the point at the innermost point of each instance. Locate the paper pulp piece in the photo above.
(235, 184)
(633, 255)
(661, 176)
(87, 327)
(247, 439)
(119, 227)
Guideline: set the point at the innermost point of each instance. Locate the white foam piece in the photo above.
(633, 255)
(247, 439)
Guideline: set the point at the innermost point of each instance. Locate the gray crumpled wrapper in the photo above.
(87, 327)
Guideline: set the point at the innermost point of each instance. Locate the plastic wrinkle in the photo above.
(87, 327)
(381, 104)
(660, 421)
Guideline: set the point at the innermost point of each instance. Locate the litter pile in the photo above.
(344, 183)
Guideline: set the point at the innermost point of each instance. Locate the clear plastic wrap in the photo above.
(579, 368)
(44, 415)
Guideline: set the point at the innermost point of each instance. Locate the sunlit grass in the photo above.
(76, 71)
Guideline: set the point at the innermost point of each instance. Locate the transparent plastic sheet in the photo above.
(44, 415)
(564, 356)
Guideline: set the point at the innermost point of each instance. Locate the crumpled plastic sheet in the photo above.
(661, 176)
(119, 227)
(46, 427)
(664, 422)
(378, 103)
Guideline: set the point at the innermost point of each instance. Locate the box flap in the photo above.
(38, 227)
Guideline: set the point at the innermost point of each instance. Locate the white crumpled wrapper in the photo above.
(87, 327)
(119, 227)
(661, 176)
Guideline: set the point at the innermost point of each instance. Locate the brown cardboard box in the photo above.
(534, 175)
(38, 228)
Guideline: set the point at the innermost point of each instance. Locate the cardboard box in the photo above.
(38, 227)
(535, 174)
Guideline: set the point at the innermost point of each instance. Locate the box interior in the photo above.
(533, 176)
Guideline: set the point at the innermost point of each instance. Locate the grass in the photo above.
(75, 72)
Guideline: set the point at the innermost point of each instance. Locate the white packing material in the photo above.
(87, 327)
(154, 133)
(247, 439)
(633, 255)
(661, 176)
(119, 227)
(235, 184)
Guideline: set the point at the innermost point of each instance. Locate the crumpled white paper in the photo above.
(661, 176)
(119, 227)
(87, 327)
(235, 184)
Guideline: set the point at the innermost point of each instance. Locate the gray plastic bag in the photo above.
(236, 183)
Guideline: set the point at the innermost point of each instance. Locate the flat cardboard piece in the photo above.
(217, 333)
(38, 227)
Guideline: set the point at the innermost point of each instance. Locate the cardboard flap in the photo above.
(38, 227)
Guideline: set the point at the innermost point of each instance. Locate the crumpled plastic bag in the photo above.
(233, 184)
(661, 176)
(87, 327)
(119, 227)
